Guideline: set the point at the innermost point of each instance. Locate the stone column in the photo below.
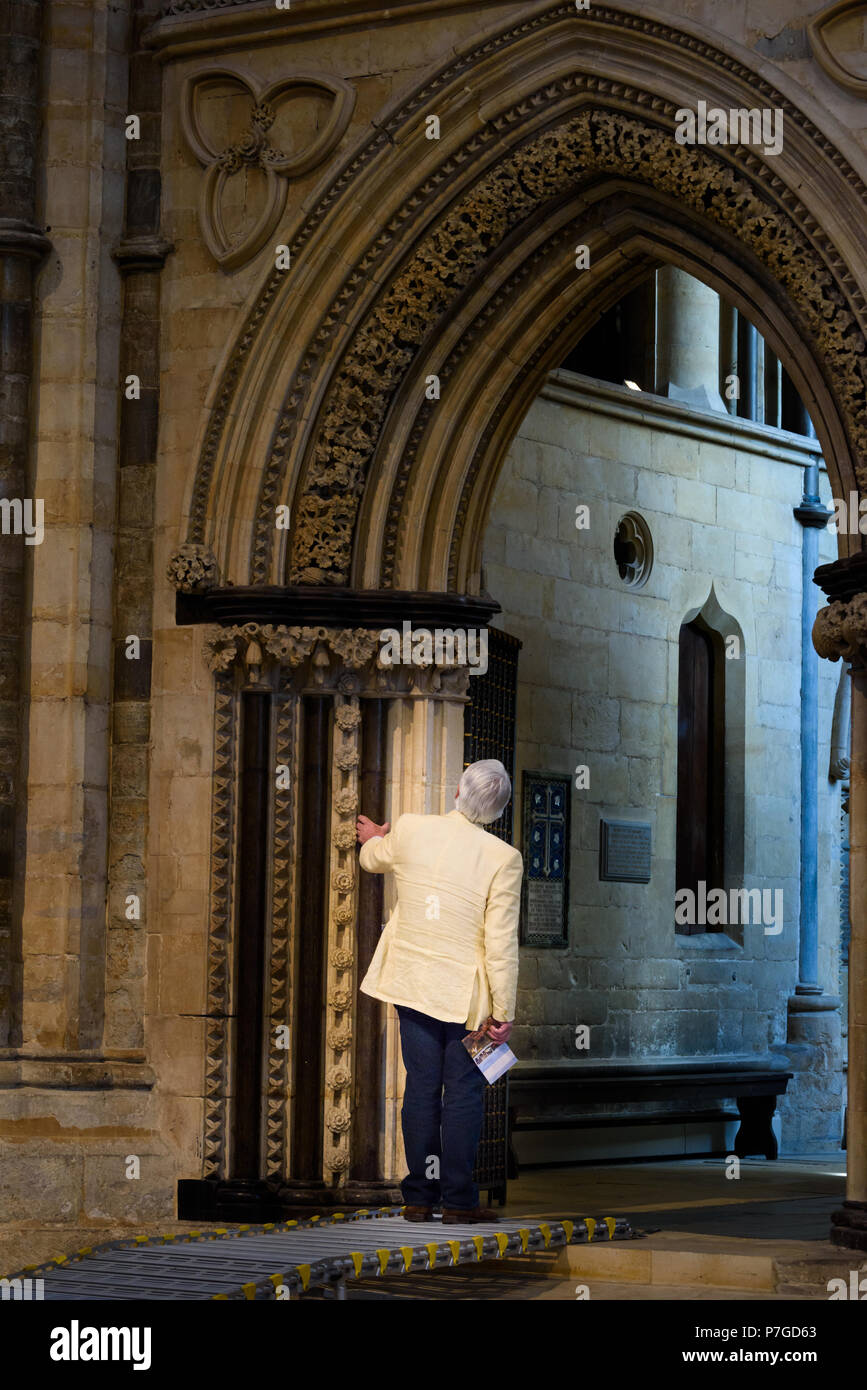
(812, 516)
(841, 631)
(687, 340)
(75, 457)
(140, 256)
(22, 246)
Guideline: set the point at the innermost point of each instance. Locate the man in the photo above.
(448, 961)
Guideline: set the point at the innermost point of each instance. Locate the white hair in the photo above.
(484, 791)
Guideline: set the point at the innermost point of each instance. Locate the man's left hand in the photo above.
(498, 1032)
(366, 829)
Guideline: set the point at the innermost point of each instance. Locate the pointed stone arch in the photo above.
(457, 258)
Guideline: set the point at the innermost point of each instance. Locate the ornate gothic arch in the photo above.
(456, 257)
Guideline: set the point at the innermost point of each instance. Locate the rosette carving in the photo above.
(346, 802)
(346, 757)
(347, 718)
(344, 836)
(338, 1078)
(340, 1039)
(343, 880)
(338, 1121)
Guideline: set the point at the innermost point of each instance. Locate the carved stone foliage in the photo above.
(254, 148)
(192, 569)
(635, 140)
(404, 321)
(840, 630)
(345, 660)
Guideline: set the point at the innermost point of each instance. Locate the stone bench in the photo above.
(540, 1093)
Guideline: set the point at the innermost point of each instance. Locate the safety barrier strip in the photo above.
(405, 1259)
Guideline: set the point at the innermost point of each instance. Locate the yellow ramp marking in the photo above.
(502, 1241)
(525, 1236)
(249, 1290)
(304, 1271)
(406, 1251)
(610, 1222)
(591, 1227)
(568, 1227)
(455, 1247)
(478, 1242)
(384, 1257)
(546, 1234)
(357, 1258)
(431, 1254)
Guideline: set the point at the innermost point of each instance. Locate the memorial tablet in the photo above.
(624, 851)
(545, 847)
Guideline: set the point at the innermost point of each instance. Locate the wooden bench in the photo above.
(539, 1093)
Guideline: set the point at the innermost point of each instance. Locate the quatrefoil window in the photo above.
(234, 124)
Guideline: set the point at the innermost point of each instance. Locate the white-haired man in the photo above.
(448, 961)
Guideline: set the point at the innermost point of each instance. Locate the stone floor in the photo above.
(706, 1236)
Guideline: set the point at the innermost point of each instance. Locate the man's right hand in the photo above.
(498, 1032)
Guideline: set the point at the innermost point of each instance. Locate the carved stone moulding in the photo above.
(836, 38)
(254, 149)
(353, 415)
(317, 658)
(326, 564)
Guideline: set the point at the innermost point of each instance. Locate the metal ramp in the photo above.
(279, 1261)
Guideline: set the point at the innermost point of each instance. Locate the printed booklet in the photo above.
(492, 1059)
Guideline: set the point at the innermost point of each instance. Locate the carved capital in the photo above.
(840, 630)
(345, 660)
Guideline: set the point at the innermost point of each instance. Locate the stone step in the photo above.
(681, 1260)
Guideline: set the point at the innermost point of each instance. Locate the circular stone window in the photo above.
(633, 550)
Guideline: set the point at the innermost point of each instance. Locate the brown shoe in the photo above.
(418, 1213)
(454, 1216)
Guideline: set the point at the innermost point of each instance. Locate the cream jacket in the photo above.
(450, 948)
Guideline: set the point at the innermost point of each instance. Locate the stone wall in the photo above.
(598, 686)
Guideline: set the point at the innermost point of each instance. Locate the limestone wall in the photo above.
(598, 686)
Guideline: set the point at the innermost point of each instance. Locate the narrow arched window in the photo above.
(700, 762)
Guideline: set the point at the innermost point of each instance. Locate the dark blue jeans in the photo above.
(443, 1106)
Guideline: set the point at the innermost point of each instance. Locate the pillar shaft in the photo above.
(856, 1177)
(251, 932)
(687, 336)
(21, 247)
(306, 1164)
(367, 1084)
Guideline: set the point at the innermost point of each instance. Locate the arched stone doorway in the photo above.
(456, 260)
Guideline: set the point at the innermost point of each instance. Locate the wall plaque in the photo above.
(624, 851)
(545, 847)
